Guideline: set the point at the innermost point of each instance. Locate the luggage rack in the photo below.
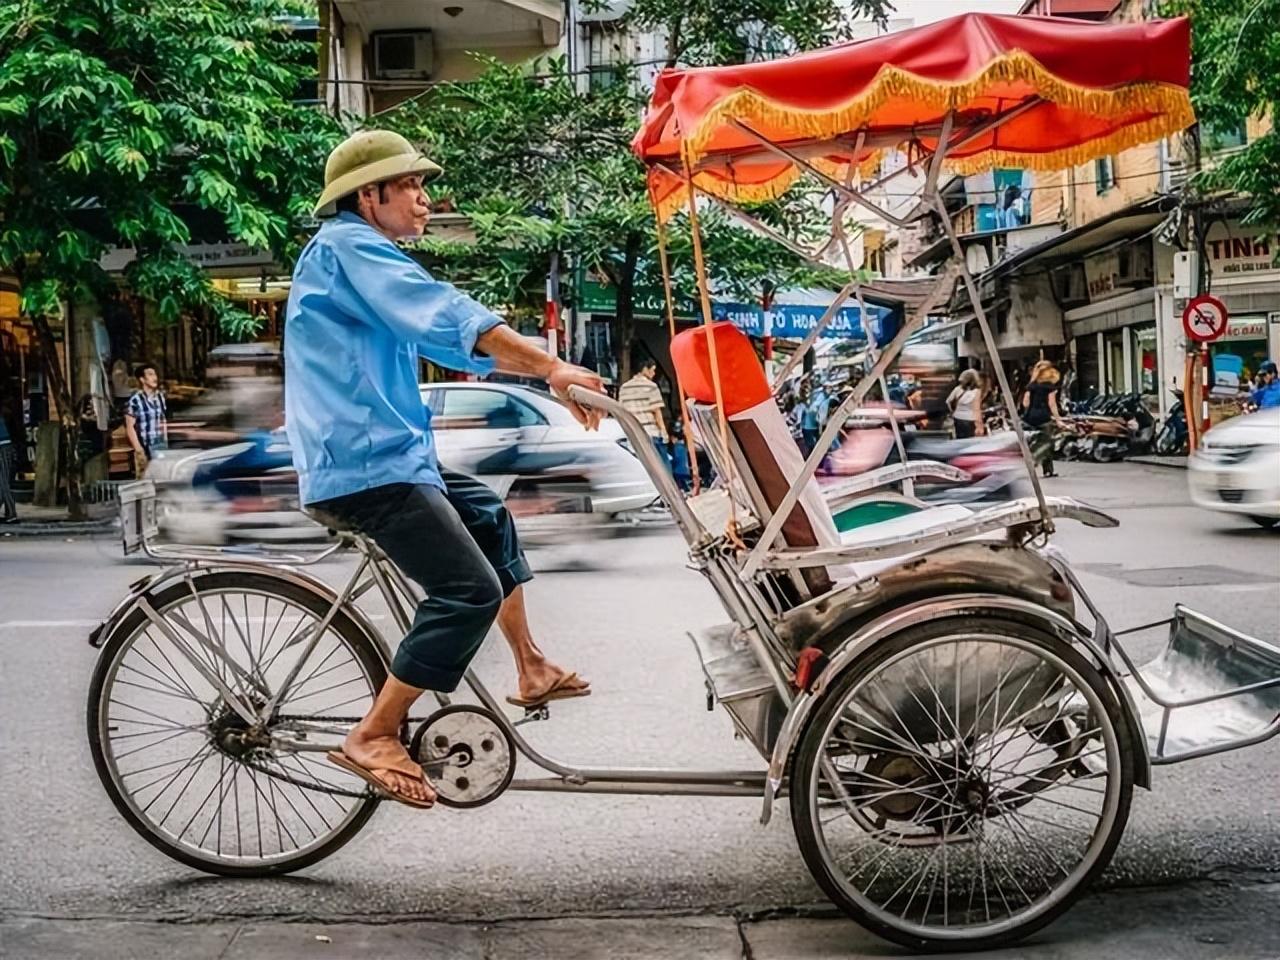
(140, 533)
(1212, 688)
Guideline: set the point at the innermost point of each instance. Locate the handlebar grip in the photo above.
(589, 398)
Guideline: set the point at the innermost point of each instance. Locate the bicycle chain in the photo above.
(316, 784)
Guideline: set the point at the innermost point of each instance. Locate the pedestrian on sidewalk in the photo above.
(643, 400)
(361, 312)
(965, 403)
(145, 418)
(1040, 405)
(8, 455)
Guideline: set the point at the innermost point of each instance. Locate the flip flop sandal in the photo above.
(567, 687)
(370, 776)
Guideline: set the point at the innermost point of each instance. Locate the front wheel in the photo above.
(961, 785)
(1266, 523)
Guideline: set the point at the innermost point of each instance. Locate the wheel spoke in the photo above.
(173, 765)
(943, 836)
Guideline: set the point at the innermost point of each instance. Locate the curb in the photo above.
(57, 529)
(1169, 463)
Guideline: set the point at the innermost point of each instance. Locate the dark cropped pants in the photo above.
(460, 546)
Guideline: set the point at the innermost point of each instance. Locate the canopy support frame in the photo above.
(933, 197)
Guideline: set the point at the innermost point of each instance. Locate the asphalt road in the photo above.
(619, 616)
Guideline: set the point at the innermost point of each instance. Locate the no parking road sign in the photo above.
(1205, 319)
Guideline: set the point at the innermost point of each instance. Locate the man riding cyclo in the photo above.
(361, 313)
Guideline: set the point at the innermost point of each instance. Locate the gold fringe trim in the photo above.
(748, 193)
(890, 82)
(1169, 104)
(1127, 137)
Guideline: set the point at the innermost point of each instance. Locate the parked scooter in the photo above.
(1108, 428)
(1173, 437)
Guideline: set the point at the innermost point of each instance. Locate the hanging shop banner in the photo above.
(786, 321)
(1235, 249)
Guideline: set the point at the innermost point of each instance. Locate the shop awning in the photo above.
(1125, 224)
(940, 332)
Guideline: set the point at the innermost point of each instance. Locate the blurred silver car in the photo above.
(1237, 468)
(526, 445)
(559, 479)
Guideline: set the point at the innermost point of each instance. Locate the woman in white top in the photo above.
(965, 402)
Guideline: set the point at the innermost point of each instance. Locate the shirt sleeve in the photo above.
(389, 288)
(655, 397)
(132, 408)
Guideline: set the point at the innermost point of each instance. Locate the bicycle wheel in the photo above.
(960, 787)
(187, 770)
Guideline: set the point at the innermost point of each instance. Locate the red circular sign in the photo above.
(1205, 318)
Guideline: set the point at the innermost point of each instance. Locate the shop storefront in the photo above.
(1244, 276)
(1115, 346)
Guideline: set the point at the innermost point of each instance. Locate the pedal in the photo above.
(533, 714)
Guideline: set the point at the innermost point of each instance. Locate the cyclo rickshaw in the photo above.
(954, 724)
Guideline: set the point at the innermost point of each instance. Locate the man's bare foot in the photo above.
(386, 757)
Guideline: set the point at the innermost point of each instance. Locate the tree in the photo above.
(539, 167)
(702, 32)
(146, 125)
(1236, 77)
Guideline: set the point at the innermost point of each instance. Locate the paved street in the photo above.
(619, 615)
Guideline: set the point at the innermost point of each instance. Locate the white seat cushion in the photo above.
(907, 525)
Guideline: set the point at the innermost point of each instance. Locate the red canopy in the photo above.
(1072, 91)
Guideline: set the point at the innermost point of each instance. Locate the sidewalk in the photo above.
(36, 521)
(1177, 463)
(1192, 922)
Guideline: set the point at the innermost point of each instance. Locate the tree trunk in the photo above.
(323, 45)
(624, 323)
(68, 417)
(673, 42)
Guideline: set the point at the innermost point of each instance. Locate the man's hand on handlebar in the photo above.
(565, 375)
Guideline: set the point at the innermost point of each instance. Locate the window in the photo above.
(1104, 174)
(1223, 138)
(301, 54)
(608, 44)
(465, 409)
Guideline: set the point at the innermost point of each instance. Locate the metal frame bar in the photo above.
(756, 557)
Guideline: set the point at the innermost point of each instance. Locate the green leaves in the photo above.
(1235, 85)
(118, 119)
(540, 166)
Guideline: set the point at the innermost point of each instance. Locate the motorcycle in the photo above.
(1105, 429)
(1173, 437)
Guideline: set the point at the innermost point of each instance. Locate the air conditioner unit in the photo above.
(1135, 269)
(1070, 284)
(403, 55)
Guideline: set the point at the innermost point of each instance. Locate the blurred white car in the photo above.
(521, 441)
(1237, 468)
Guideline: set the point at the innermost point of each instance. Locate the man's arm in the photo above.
(515, 354)
(659, 413)
(131, 432)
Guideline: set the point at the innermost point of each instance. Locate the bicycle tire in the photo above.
(113, 650)
(811, 744)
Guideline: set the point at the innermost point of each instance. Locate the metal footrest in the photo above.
(1212, 689)
(737, 681)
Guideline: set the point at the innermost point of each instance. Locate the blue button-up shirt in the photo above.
(360, 314)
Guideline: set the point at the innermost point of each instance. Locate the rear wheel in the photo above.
(192, 775)
(960, 786)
